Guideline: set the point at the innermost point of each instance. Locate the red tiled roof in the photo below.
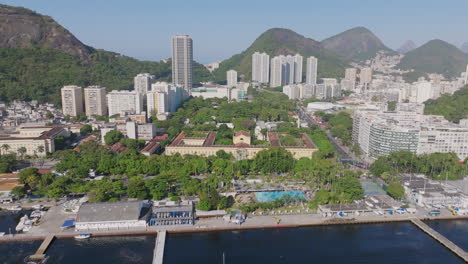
(242, 133)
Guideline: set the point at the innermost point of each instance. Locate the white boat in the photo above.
(14, 208)
(37, 207)
(20, 225)
(37, 213)
(83, 236)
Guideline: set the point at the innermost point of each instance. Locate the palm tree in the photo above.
(22, 151)
(40, 149)
(5, 147)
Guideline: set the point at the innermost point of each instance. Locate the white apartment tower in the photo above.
(182, 59)
(276, 71)
(311, 74)
(95, 101)
(466, 75)
(231, 78)
(129, 102)
(260, 67)
(298, 62)
(72, 100)
(142, 82)
(365, 77)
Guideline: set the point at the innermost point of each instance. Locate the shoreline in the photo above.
(193, 229)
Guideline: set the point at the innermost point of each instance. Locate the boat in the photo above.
(37, 207)
(82, 236)
(37, 213)
(14, 208)
(20, 225)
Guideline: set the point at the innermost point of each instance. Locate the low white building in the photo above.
(112, 216)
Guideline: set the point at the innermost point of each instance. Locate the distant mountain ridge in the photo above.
(23, 28)
(281, 41)
(464, 47)
(436, 56)
(407, 47)
(358, 44)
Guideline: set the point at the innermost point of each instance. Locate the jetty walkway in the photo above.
(441, 239)
(158, 254)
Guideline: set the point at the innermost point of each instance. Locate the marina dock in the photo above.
(441, 239)
(40, 253)
(159, 248)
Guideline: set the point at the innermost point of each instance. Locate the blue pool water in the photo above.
(271, 196)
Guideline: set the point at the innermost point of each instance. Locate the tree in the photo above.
(5, 148)
(49, 115)
(273, 160)
(19, 191)
(86, 129)
(396, 190)
(113, 137)
(40, 149)
(7, 163)
(22, 151)
(136, 188)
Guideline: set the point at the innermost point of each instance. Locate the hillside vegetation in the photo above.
(38, 57)
(452, 107)
(436, 56)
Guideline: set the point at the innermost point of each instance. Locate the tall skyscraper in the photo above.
(95, 100)
(142, 82)
(365, 77)
(182, 59)
(277, 71)
(72, 100)
(260, 67)
(298, 62)
(311, 74)
(231, 78)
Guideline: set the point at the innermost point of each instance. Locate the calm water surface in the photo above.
(375, 243)
(455, 230)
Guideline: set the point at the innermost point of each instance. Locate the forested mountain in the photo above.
(436, 56)
(38, 57)
(358, 44)
(452, 107)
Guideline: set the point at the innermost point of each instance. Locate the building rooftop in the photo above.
(110, 211)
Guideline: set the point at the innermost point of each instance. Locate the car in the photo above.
(434, 213)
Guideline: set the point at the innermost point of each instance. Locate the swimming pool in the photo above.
(271, 196)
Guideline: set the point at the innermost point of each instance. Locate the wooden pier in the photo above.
(441, 239)
(158, 254)
(40, 253)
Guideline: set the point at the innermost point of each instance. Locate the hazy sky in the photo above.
(220, 28)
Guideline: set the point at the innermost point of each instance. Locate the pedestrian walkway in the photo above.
(441, 239)
(158, 254)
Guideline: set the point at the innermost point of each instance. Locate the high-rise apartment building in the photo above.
(157, 104)
(182, 59)
(350, 74)
(277, 71)
(311, 71)
(142, 82)
(95, 101)
(298, 62)
(130, 102)
(365, 77)
(466, 75)
(260, 67)
(231, 78)
(72, 100)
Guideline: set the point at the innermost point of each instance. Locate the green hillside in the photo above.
(38, 57)
(277, 41)
(436, 56)
(452, 107)
(358, 43)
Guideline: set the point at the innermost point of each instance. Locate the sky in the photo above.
(220, 28)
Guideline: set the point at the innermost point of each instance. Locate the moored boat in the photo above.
(82, 236)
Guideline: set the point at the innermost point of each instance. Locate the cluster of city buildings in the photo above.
(158, 99)
(380, 132)
(20, 112)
